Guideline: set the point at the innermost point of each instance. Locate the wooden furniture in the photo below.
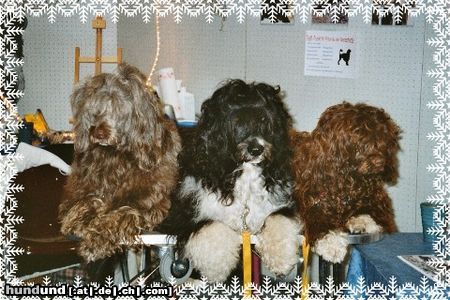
(98, 24)
(46, 249)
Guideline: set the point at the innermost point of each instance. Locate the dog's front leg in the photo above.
(155, 211)
(333, 246)
(279, 242)
(214, 251)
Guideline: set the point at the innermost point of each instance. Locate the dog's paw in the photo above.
(363, 224)
(279, 243)
(108, 233)
(74, 220)
(332, 247)
(95, 245)
(214, 251)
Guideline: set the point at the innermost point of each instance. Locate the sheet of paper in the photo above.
(331, 54)
(421, 263)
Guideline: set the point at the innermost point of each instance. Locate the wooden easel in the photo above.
(98, 24)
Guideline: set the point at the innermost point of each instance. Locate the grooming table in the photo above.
(337, 271)
(164, 245)
(377, 262)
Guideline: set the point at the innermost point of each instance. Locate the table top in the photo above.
(383, 255)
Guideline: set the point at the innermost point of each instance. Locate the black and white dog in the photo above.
(235, 175)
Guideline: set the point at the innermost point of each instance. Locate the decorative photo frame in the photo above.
(436, 14)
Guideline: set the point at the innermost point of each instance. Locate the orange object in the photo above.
(247, 262)
(39, 123)
(305, 275)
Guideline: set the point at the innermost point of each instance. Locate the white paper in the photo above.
(188, 106)
(168, 89)
(421, 263)
(331, 54)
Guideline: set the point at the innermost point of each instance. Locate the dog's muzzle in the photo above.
(254, 150)
(100, 134)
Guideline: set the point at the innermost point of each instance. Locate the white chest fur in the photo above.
(248, 191)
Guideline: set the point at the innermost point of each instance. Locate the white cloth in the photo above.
(34, 157)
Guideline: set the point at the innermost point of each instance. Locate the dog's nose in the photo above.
(255, 149)
(99, 132)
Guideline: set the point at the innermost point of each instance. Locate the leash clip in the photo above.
(244, 218)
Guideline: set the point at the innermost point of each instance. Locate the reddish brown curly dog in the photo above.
(125, 163)
(341, 169)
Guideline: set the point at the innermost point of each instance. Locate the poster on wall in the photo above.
(331, 54)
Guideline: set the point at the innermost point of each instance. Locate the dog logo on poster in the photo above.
(344, 56)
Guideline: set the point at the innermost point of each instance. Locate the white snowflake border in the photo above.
(301, 9)
(437, 12)
(203, 290)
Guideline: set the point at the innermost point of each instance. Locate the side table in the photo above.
(378, 261)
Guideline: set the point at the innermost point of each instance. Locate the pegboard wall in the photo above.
(202, 55)
(391, 75)
(49, 58)
(393, 61)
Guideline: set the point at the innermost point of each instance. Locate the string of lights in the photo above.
(158, 43)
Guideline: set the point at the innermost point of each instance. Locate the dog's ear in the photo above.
(282, 123)
(274, 96)
(365, 136)
(157, 138)
(379, 143)
(209, 155)
(212, 138)
(149, 137)
(212, 132)
(81, 95)
(381, 163)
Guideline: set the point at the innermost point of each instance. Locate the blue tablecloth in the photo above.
(378, 261)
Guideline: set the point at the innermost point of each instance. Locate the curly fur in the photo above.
(240, 156)
(125, 163)
(275, 247)
(214, 262)
(341, 169)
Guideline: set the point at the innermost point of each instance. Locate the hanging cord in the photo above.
(155, 61)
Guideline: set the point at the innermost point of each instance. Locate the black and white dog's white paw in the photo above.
(214, 251)
(279, 244)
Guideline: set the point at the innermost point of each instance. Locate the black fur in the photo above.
(234, 112)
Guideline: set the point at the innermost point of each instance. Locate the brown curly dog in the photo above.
(125, 164)
(341, 169)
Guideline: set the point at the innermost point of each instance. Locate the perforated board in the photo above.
(391, 76)
(49, 51)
